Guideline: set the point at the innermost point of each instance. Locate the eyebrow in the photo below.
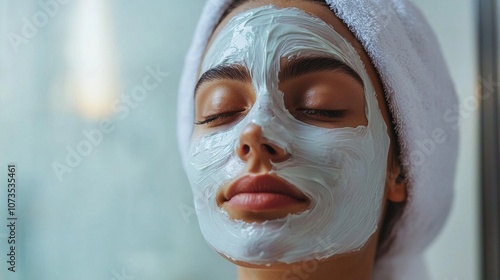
(224, 72)
(305, 65)
(292, 69)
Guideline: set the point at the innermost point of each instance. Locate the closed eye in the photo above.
(330, 114)
(218, 117)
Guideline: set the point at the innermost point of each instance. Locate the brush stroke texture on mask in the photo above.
(341, 170)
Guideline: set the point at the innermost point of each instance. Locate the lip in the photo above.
(261, 193)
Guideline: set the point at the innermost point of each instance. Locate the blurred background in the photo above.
(87, 114)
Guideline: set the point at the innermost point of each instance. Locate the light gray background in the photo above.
(125, 211)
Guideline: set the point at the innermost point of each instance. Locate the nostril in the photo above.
(270, 149)
(246, 149)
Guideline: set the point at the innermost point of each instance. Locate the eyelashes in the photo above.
(218, 117)
(329, 115)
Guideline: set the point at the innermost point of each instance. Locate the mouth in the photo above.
(264, 194)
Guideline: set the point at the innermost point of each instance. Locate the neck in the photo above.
(352, 266)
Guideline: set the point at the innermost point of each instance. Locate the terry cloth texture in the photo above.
(420, 94)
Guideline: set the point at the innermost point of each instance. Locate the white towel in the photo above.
(421, 98)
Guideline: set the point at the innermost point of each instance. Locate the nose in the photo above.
(257, 151)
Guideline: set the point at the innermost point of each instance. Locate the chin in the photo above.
(286, 266)
(271, 266)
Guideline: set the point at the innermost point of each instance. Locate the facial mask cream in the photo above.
(341, 170)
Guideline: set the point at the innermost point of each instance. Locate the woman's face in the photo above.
(290, 146)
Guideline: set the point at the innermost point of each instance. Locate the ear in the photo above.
(396, 184)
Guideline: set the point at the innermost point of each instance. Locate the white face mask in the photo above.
(341, 170)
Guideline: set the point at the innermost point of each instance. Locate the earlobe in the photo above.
(396, 187)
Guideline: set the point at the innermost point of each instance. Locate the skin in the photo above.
(315, 90)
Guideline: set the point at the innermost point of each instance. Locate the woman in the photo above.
(296, 167)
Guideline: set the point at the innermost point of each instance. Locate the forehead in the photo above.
(312, 8)
(266, 34)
